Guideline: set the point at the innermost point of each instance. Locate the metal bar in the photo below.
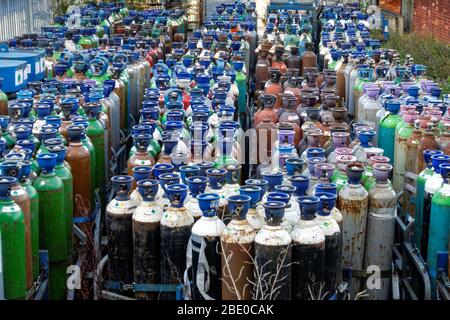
(114, 296)
(42, 290)
(79, 234)
(409, 289)
(443, 287)
(98, 279)
(395, 284)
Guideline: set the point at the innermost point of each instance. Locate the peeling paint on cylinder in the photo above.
(353, 203)
(380, 236)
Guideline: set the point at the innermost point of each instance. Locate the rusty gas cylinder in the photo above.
(273, 86)
(427, 142)
(353, 205)
(141, 157)
(237, 243)
(78, 158)
(309, 58)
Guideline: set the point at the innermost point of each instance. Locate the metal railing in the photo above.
(23, 16)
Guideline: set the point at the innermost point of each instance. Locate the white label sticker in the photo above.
(37, 67)
(42, 65)
(18, 79)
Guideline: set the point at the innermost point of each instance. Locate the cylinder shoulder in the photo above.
(269, 236)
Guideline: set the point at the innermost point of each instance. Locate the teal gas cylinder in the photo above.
(439, 225)
(386, 130)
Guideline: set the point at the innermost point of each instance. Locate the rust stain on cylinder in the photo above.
(237, 273)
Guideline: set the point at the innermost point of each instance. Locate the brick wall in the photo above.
(394, 6)
(432, 17)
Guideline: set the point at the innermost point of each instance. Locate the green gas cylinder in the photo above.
(62, 170)
(241, 82)
(96, 133)
(86, 41)
(25, 182)
(420, 194)
(52, 223)
(12, 228)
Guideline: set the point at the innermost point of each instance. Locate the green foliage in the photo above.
(425, 50)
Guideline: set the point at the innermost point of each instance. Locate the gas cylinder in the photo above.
(166, 179)
(217, 179)
(203, 255)
(323, 174)
(197, 185)
(237, 245)
(139, 173)
(78, 158)
(294, 61)
(353, 204)
(403, 131)
(87, 143)
(439, 224)
(309, 58)
(262, 68)
(274, 87)
(254, 216)
(141, 157)
(119, 213)
(340, 80)
(26, 183)
(340, 177)
(146, 237)
(19, 195)
(420, 194)
(273, 256)
(413, 148)
(426, 142)
(380, 230)
(52, 222)
(308, 250)
(432, 185)
(12, 228)
(337, 216)
(351, 74)
(386, 129)
(241, 82)
(114, 114)
(134, 85)
(96, 133)
(63, 170)
(120, 91)
(368, 179)
(333, 244)
(176, 224)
